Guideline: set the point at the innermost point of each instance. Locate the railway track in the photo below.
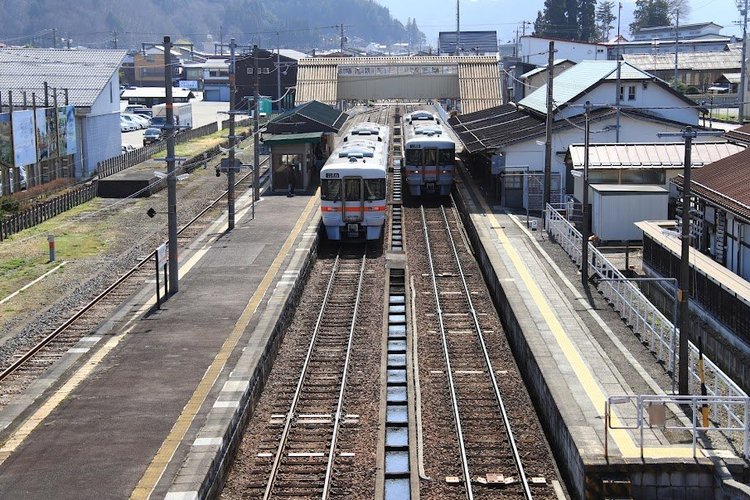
(300, 447)
(27, 366)
(468, 379)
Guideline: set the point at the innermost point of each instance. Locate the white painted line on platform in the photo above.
(158, 465)
(40, 278)
(208, 442)
(235, 386)
(583, 373)
(91, 338)
(226, 404)
(78, 350)
(181, 495)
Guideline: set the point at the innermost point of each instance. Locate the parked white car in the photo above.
(142, 121)
(132, 119)
(126, 125)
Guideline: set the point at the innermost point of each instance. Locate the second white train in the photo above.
(429, 154)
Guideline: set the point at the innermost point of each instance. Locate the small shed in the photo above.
(617, 207)
(301, 140)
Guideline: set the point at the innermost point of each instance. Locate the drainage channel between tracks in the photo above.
(397, 468)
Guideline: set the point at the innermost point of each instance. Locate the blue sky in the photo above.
(505, 15)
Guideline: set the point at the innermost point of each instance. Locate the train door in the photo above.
(354, 204)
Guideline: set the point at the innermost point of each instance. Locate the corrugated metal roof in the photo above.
(503, 125)
(725, 182)
(479, 85)
(741, 135)
(649, 155)
(577, 80)
(84, 73)
(330, 119)
(697, 61)
(479, 79)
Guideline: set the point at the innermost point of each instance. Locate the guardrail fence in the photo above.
(653, 328)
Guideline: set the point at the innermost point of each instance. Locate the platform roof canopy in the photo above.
(649, 155)
(473, 80)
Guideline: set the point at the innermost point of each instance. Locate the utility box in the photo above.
(615, 208)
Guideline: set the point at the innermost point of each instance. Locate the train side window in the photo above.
(413, 156)
(446, 156)
(352, 189)
(374, 189)
(330, 190)
(430, 157)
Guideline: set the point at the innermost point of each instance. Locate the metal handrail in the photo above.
(695, 402)
(645, 319)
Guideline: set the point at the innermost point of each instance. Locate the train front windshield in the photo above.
(430, 156)
(374, 189)
(330, 190)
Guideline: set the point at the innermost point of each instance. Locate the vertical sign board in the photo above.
(62, 130)
(42, 140)
(24, 138)
(70, 130)
(50, 115)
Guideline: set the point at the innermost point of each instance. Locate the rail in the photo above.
(448, 368)
(487, 360)
(642, 316)
(55, 333)
(303, 375)
(650, 410)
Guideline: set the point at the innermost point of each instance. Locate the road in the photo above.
(204, 112)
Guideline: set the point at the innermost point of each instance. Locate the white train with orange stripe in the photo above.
(353, 184)
(429, 154)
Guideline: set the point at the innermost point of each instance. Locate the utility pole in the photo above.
(548, 128)
(114, 39)
(230, 171)
(221, 38)
(586, 231)
(458, 28)
(676, 46)
(617, 80)
(743, 66)
(171, 174)
(54, 38)
(683, 291)
(342, 39)
(256, 124)
(278, 72)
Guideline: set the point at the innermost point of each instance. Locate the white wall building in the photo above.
(92, 81)
(534, 49)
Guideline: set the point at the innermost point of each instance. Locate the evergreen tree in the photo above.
(553, 20)
(605, 16)
(567, 19)
(587, 20)
(650, 13)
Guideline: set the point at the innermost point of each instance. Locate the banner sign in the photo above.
(24, 138)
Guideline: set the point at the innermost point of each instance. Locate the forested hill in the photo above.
(301, 23)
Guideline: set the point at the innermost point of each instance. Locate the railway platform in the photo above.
(144, 407)
(575, 360)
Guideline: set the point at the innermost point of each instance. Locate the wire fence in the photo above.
(645, 319)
